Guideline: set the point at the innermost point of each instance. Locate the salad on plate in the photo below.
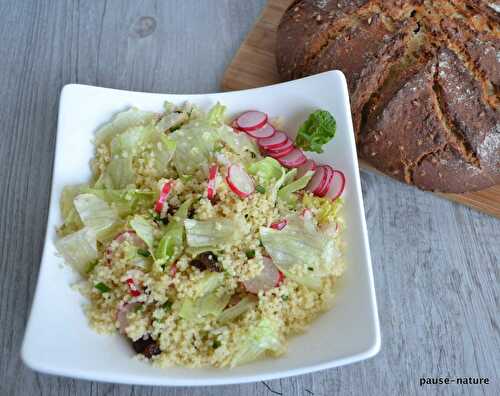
(205, 241)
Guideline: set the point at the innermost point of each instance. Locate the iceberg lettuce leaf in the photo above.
(263, 336)
(121, 122)
(172, 242)
(78, 249)
(286, 192)
(144, 229)
(213, 232)
(299, 244)
(96, 214)
(230, 314)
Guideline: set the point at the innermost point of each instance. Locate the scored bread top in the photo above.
(423, 76)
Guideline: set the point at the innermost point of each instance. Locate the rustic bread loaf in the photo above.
(424, 79)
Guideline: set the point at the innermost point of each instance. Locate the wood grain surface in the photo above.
(436, 264)
(254, 66)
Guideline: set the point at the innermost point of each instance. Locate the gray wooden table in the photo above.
(437, 264)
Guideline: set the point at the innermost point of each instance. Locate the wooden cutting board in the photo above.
(254, 66)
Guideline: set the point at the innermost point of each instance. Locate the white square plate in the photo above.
(58, 339)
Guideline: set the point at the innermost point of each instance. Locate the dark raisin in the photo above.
(206, 261)
(171, 210)
(146, 346)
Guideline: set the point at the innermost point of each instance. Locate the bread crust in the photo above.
(424, 80)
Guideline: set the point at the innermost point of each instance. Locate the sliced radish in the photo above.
(173, 270)
(239, 181)
(279, 154)
(306, 213)
(125, 236)
(122, 312)
(212, 178)
(165, 192)
(282, 150)
(267, 279)
(328, 176)
(274, 141)
(281, 279)
(251, 120)
(310, 165)
(265, 132)
(235, 126)
(133, 289)
(130, 278)
(286, 144)
(336, 186)
(279, 225)
(293, 159)
(318, 181)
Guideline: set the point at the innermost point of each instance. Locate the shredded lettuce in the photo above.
(211, 301)
(268, 170)
(119, 174)
(208, 283)
(195, 143)
(144, 229)
(286, 192)
(263, 336)
(71, 220)
(310, 281)
(211, 304)
(96, 214)
(171, 120)
(327, 211)
(125, 201)
(238, 142)
(121, 122)
(299, 247)
(214, 232)
(163, 152)
(215, 116)
(129, 140)
(78, 249)
(230, 314)
(318, 130)
(172, 242)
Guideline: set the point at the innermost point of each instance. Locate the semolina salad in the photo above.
(203, 243)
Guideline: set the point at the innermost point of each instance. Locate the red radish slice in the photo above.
(282, 150)
(281, 279)
(267, 279)
(130, 278)
(279, 225)
(212, 178)
(251, 120)
(129, 236)
(165, 192)
(133, 289)
(336, 186)
(274, 141)
(121, 314)
(278, 154)
(265, 132)
(328, 176)
(293, 159)
(310, 165)
(286, 144)
(235, 126)
(239, 181)
(306, 213)
(322, 189)
(173, 270)
(318, 181)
